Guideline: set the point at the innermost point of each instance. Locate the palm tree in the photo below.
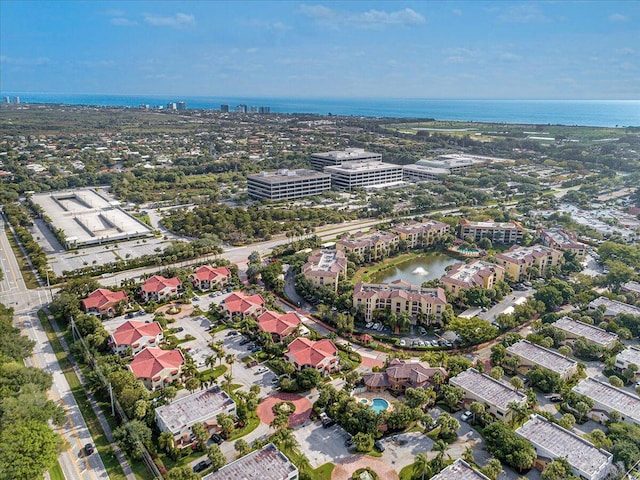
(228, 380)
(166, 441)
(422, 466)
(441, 447)
(230, 358)
(210, 361)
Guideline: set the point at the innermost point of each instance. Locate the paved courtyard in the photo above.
(345, 469)
(301, 414)
(322, 445)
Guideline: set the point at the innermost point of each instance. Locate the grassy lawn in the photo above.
(252, 423)
(323, 472)
(407, 472)
(55, 472)
(212, 373)
(30, 279)
(101, 443)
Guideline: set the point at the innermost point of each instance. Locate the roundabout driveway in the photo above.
(301, 414)
(345, 469)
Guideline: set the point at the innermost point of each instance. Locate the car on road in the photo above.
(201, 466)
(378, 446)
(466, 416)
(555, 399)
(88, 449)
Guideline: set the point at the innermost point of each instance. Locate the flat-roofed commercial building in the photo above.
(613, 308)
(531, 355)
(201, 407)
(325, 268)
(268, 463)
(364, 174)
(497, 232)
(607, 398)
(287, 184)
(455, 163)
(459, 470)
(474, 274)
(630, 287)
(370, 246)
(519, 261)
(421, 234)
(337, 157)
(493, 394)
(424, 173)
(557, 238)
(629, 356)
(87, 218)
(574, 329)
(551, 441)
(398, 297)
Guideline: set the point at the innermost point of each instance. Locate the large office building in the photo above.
(328, 159)
(519, 262)
(287, 184)
(400, 296)
(424, 173)
(497, 232)
(455, 163)
(364, 174)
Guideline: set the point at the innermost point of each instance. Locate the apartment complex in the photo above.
(325, 268)
(574, 329)
(421, 234)
(370, 246)
(613, 308)
(103, 302)
(327, 159)
(321, 355)
(531, 355)
(474, 274)
(520, 262)
(493, 394)
(552, 441)
(399, 297)
(135, 335)
(607, 398)
(157, 368)
(629, 356)
(557, 238)
(287, 184)
(497, 232)
(268, 463)
(158, 288)
(364, 174)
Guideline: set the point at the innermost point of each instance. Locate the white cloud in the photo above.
(618, 17)
(99, 63)
(179, 20)
(509, 57)
(523, 14)
(122, 22)
(369, 19)
(25, 62)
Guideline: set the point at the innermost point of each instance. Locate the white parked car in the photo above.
(376, 326)
(261, 369)
(402, 343)
(369, 324)
(466, 416)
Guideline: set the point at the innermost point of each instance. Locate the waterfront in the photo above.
(416, 270)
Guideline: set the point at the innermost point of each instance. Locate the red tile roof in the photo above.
(152, 361)
(131, 331)
(308, 352)
(238, 302)
(103, 298)
(274, 322)
(207, 272)
(157, 283)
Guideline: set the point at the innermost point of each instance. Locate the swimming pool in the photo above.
(379, 405)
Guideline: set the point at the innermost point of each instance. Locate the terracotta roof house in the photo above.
(156, 367)
(103, 302)
(240, 304)
(137, 335)
(402, 374)
(158, 288)
(207, 277)
(279, 325)
(321, 355)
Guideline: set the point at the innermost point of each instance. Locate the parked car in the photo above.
(466, 416)
(201, 466)
(141, 313)
(179, 329)
(555, 399)
(231, 333)
(376, 326)
(369, 324)
(88, 449)
(422, 331)
(216, 438)
(275, 380)
(402, 343)
(378, 446)
(262, 369)
(244, 341)
(195, 299)
(256, 349)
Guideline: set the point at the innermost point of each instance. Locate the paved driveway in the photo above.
(322, 445)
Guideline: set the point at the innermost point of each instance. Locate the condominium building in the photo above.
(421, 234)
(531, 355)
(607, 398)
(364, 174)
(630, 287)
(519, 262)
(327, 159)
(573, 329)
(497, 232)
(629, 356)
(474, 274)
(287, 184)
(493, 394)
(268, 463)
(551, 441)
(325, 268)
(557, 238)
(459, 470)
(370, 246)
(399, 297)
(613, 308)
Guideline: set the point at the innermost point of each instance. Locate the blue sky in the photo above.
(434, 49)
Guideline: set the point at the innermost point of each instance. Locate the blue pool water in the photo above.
(379, 405)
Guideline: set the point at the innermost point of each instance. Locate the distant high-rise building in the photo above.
(253, 109)
(264, 110)
(172, 106)
(181, 106)
(241, 108)
(16, 100)
(6, 100)
(224, 108)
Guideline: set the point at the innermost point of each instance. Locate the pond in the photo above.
(416, 270)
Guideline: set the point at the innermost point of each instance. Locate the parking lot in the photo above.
(321, 445)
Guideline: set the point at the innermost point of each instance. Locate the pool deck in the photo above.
(371, 395)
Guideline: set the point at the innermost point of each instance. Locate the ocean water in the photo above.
(599, 113)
